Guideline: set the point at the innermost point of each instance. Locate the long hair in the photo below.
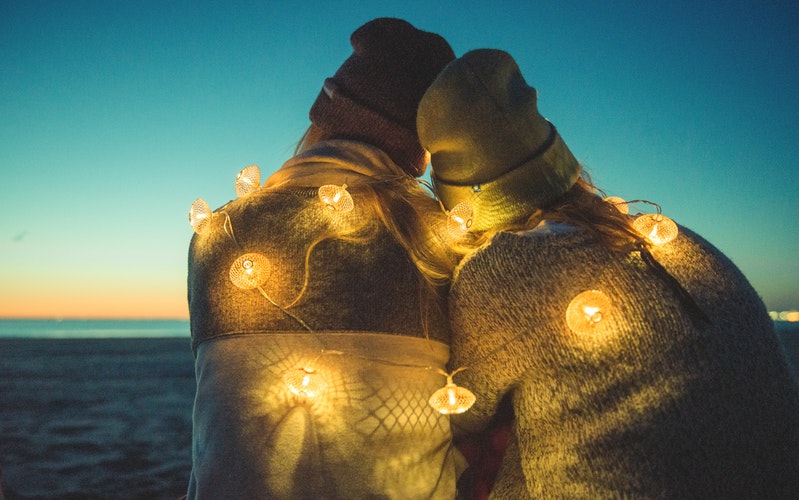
(413, 218)
(583, 206)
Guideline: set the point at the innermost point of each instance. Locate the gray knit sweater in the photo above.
(661, 407)
(369, 433)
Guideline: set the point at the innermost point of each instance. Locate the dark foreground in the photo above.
(108, 418)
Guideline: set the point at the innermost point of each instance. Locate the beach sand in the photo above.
(106, 418)
(99, 418)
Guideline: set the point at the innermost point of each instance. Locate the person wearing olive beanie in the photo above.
(675, 387)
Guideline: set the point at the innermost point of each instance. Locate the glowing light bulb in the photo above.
(336, 198)
(459, 219)
(619, 203)
(452, 399)
(588, 312)
(249, 270)
(200, 216)
(657, 228)
(304, 382)
(248, 180)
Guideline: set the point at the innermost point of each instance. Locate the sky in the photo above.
(116, 116)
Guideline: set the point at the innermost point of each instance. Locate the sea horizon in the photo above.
(90, 328)
(93, 328)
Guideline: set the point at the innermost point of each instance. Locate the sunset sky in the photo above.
(115, 116)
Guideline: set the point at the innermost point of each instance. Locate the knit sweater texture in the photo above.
(351, 311)
(658, 405)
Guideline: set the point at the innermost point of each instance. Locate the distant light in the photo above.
(791, 316)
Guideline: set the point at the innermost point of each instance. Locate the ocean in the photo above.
(789, 335)
(98, 328)
(92, 328)
(95, 409)
(102, 409)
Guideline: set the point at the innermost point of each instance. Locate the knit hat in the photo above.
(489, 145)
(374, 95)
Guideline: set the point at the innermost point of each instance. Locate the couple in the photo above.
(327, 304)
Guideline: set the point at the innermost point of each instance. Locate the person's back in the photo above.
(653, 405)
(353, 320)
(319, 326)
(634, 370)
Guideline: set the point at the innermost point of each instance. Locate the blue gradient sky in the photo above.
(115, 116)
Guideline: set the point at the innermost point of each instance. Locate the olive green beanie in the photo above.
(489, 145)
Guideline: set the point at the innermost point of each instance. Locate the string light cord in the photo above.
(656, 230)
(348, 236)
(691, 307)
(586, 314)
(228, 228)
(284, 310)
(250, 270)
(630, 202)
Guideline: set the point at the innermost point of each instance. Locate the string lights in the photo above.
(336, 198)
(304, 382)
(619, 203)
(587, 313)
(657, 228)
(249, 271)
(452, 399)
(248, 180)
(459, 219)
(200, 216)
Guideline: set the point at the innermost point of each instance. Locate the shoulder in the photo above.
(544, 245)
(708, 274)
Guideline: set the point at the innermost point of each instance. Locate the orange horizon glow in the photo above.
(92, 318)
(95, 306)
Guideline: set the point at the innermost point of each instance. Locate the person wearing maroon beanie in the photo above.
(317, 301)
(374, 95)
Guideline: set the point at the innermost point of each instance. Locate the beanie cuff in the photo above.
(344, 117)
(513, 195)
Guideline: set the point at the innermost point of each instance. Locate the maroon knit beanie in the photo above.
(374, 95)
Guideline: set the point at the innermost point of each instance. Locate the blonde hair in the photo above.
(411, 215)
(582, 205)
